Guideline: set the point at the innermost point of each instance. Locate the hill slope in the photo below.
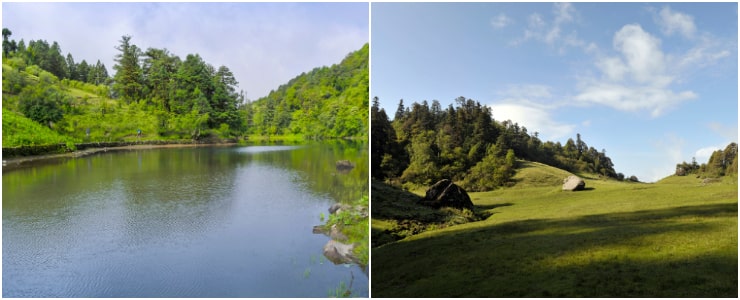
(19, 130)
(674, 238)
(534, 174)
(325, 102)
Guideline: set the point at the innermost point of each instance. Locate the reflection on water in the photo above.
(193, 222)
(260, 149)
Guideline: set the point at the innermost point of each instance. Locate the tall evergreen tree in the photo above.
(83, 69)
(71, 67)
(129, 76)
(400, 111)
(8, 45)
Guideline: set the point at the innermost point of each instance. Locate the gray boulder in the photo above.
(445, 193)
(339, 253)
(573, 183)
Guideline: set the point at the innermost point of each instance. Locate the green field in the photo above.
(673, 238)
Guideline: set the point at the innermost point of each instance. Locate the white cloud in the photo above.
(501, 21)
(641, 52)
(702, 155)
(563, 12)
(612, 67)
(706, 52)
(536, 119)
(633, 98)
(671, 22)
(638, 78)
(536, 21)
(552, 34)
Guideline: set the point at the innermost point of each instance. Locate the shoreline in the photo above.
(21, 161)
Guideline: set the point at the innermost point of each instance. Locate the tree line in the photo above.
(50, 58)
(721, 163)
(425, 143)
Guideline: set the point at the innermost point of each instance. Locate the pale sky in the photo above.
(264, 44)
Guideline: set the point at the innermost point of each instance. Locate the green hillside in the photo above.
(155, 95)
(19, 130)
(673, 238)
(534, 174)
(327, 102)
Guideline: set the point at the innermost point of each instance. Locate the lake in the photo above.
(180, 222)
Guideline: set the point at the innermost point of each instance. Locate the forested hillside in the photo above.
(464, 143)
(157, 95)
(721, 163)
(325, 102)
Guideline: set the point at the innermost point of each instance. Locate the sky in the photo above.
(263, 44)
(654, 84)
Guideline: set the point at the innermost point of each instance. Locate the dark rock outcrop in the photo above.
(573, 183)
(445, 193)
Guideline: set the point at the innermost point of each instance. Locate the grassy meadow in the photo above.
(673, 238)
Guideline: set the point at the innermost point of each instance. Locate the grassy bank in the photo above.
(290, 138)
(674, 238)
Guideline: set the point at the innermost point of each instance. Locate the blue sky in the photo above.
(264, 44)
(652, 83)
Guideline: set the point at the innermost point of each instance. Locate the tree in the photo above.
(8, 46)
(128, 78)
(42, 104)
(580, 145)
(400, 111)
(716, 165)
(98, 74)
(56, 64)
(386, 156)
(13, 81)
(224, 99)
(422, 163)
(192, 74)
(83, 69)
(160, 68)
(71, 67)
(730, 156)
(570, 149)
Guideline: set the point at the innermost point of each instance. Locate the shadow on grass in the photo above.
(402, 216)
(493, 206)
(605, 255)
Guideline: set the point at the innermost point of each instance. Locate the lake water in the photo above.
(186, 222)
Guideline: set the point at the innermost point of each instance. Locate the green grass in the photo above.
(534, 174)
(293, 138)
(19, 130)
(674, 238)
